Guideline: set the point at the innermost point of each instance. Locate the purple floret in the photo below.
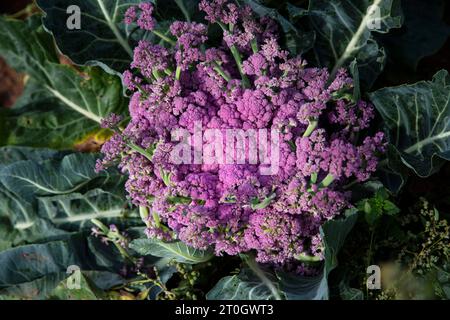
(233, 207)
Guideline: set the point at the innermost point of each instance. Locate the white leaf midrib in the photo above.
(73, 105)
(352, 45)
(114, 29)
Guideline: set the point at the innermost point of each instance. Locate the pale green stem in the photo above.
(163, 37)
(254, 45)
(107, 233)
(112, 25)
(237, 57)
(143, 212)
(313, 177)
(178, 73)
(327, 181)
(156, 74)
(140, 150)
(222, 72)
(312, 125)
(156, 219)
(100, 225)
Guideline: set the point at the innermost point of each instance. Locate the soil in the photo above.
(11, 83)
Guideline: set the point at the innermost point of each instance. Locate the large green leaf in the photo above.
(344, 31)
(303, 288)
(48, 197)
(423, 33)
(334, 233)
(86, 286)
(26, 46)
(417, 121)
(29, 179)
(61, 104)
(12, 154)
(244, 286)
(103, 39)
(176, 250)
(258, 283)
(34, 271)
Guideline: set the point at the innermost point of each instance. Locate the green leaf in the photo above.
(39, 288)
(443, 281)
(76, 287)
(244, 286)
(61, 104)
(26, 46)
(103, 40)
(74, 211)
(34, 271)
(423, 33)
(40, 119)
(376, 206)
(44, 197)
(186, 10)
(334, 233)
(344, 32)
(417, 122)
(12, 154)
(29, 179)
(176, 250)
(297, 287)
(392, 172)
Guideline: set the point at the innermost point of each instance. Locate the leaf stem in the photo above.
(353, 44)
(222, 72)
(254, 45)
(236, 56)
(238, 59)
(114, 29)
(312, 125)
(163, 37)
(178, 73)
(140, 150)
(327, 181)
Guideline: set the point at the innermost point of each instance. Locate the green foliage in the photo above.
(34, 271)
(47, 194)
(61, 104)
(103, 39)
(176, 250)
(414, 41)
(416, 120)
(344, 32)
(374, 208)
